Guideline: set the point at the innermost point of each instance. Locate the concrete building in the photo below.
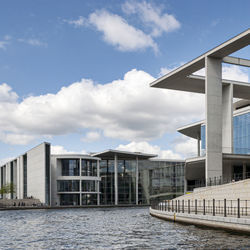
(224, 134)
(110, 177)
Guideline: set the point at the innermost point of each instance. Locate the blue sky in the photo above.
(76, 73)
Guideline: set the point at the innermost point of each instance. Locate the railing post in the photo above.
(213, 207)
(195, 206)
(238, 208)
(225, 208)
(182, 206)
(189, 206)
(172, 206)
(176, 206)
(204, 207)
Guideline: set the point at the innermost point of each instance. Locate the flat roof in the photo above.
(122, 155)
(192, 130)
(182, 78)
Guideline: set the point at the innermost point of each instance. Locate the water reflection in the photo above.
(126, 228)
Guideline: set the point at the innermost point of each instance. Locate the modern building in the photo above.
(110, 177)
(223, 138)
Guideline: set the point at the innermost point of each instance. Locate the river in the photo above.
(109, 228)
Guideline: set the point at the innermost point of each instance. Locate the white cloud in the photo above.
(16, 139)
(152, 16)
(91, 136)
(117, 32)
(186, 147)
(79, 22)
(125, 109)
(33, 42)
(6, 94)
(5, 42)
(145, 147)
(230, 72)
(57, 150)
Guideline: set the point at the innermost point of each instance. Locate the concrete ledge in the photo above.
(239, 225)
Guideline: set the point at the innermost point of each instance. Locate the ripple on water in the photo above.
(114, 228)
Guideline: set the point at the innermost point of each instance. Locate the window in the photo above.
(88, 186)
(68, 186)
(89, 167)
(70, 167)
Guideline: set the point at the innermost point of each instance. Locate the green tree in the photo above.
(8, 188)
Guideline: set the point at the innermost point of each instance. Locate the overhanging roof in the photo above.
(182, 78)
(122, 155)
(193, 130)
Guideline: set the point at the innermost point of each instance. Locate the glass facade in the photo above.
(88, 186)
(165, 179)
(241, 135)
(69, 199)
(70, 167)
(68, 186)
(107, 187)
(126, 181)
(89, 199)
(89, 167)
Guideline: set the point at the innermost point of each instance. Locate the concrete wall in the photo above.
(231, 191)
(36, 172)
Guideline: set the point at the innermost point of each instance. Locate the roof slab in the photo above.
(182, 78)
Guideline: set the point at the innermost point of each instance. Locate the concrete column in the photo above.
(98, 183)
(213, 96)
(137, 180)
(198, 147)
(227, 118)
(244, 170)
(0, 181)
(116, 178)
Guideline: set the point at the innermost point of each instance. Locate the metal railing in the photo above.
(231, 208)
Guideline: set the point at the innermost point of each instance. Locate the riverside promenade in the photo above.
(221, 207)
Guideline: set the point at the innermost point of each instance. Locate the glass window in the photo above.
(68, 186)
(89, 167)
(88, 186)
(89, 199)
(70, 167)
(69, 199)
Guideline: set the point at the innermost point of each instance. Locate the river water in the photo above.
(109, 228)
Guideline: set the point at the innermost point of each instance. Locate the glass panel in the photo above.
(70, 167)
(68, 186)
(88, 186)
(89, 167)
(89, 199)
(69, 199)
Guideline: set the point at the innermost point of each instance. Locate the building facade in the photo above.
(224, 134)
(110, 177)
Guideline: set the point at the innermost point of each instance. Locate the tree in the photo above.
(8, 188)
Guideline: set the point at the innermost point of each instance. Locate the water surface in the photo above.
(110, 228)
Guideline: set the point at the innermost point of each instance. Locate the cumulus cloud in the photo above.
(126, 109)
(230, 72)
(152, 16)
(117, 32)
(91, 136)
(57, 150)
(145, 147)
(33, 42)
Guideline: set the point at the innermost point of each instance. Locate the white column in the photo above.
(0, 181)
(227, 118)
(116, 178)
(136, 180)
(98, 183)
(213, 91)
